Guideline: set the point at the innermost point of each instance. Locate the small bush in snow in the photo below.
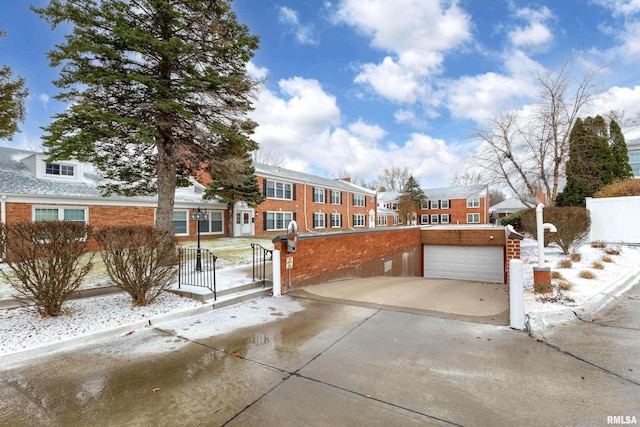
(597, 265)
(612, 250)
(44, 259)
(572, 223)
(586, 274)
(597, 244)
(563, 285)
(140, 260)
(565, 263)
(556, 275)
(576, 257)
(606, 258)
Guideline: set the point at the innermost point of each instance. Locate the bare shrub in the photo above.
(565, 263)
(597, 265)
(140, 260)
(572, 223)
(606, 258)
(612, 250)
(44, 259)
(576, 257)
(586, 274)
(620, 188)
(556, 275)
(597, 244)
(563, 285)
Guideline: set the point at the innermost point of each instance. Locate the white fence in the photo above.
(615, 219)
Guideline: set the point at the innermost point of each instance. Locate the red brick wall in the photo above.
(322, 258)
(464, 237)
(102, 216)
(304, 217)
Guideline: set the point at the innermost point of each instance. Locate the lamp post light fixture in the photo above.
(199, 215)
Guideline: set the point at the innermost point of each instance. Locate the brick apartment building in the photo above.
(317, 204)
(449, 205)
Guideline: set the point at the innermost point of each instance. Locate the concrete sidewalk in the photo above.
(471, 301)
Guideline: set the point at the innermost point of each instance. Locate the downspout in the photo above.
(304, 202)
(350, 227)
(3, 220)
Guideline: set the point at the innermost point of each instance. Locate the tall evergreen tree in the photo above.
(12, 95)
(232, 173)
(590, 164)
(411, 198)
(620, 155)
(153, 86)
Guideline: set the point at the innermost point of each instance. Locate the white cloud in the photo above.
(304, 33)
(621, 99)
(44, 98)
(416, 34)
(535, 34)
(620, 7)
(301, 123)
(255, 72)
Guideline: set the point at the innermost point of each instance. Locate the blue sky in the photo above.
(360, 85)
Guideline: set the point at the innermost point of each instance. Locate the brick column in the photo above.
(513, 252)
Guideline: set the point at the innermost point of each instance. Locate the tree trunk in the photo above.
(166, 187)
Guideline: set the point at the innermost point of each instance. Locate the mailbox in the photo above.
(292, 236)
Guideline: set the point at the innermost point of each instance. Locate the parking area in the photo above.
(472, 301)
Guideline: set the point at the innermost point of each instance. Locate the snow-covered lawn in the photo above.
(23, 328)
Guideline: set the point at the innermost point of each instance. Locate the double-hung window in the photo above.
(359, 200)
(59, 214)
(473, 202)
(435, 204)
(279, 190)
(181, 223)
(473, 218)
(336, 197)
(444, 204)
(382, 220)
(358, 220)
(213, 224)
(444, 219)
(318, 195)
(424, 205)
(434, 219)
(336, 220)
(318, 220)
(424, 219)
(277, 220)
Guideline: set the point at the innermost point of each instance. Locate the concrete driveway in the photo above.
(330, 364)
(457, 299)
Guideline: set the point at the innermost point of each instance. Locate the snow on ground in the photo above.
(23, 328)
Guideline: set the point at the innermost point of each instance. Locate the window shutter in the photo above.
(326, 224)
(326, 194)
(264, 187)
(294, 191)
(313, 195)
(340, 220)
(340, 200)
(264, 220)
(294, 216)
(365, 200)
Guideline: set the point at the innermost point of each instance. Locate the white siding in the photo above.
(615, 219)
(474, 263)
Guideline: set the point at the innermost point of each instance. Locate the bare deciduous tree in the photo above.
(266, 157)
(527, 148)
(394, 178)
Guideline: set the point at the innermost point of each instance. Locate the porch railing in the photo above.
(260, 257)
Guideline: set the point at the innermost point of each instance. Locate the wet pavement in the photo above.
(336, 363)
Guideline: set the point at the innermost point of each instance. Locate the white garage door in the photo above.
(475, 263)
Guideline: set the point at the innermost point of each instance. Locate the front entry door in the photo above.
(243, 223)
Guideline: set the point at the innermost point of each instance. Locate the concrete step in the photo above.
(204, 294)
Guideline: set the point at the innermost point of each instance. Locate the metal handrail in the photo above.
(260, 254)
(197, 268)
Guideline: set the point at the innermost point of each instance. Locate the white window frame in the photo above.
(471, 218)
(318, 220)
(283, 215)
(444, 219)
(434, 219)
(359, 200)
(444, 204)
(424, 205)
(186, 219)
(336, 220)
(336, 197)
(210, 221)
(61, 167)
(382, 220)
(424, 219)
(61, 210)
(286, 187)
(318, 195)
(359, 220)
(473, 202)
(435, 204)
(394, 206)
(395, 220)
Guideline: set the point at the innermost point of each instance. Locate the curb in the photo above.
(33, 353)
(538, 322)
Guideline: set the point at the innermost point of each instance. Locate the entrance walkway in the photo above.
(472, 301)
